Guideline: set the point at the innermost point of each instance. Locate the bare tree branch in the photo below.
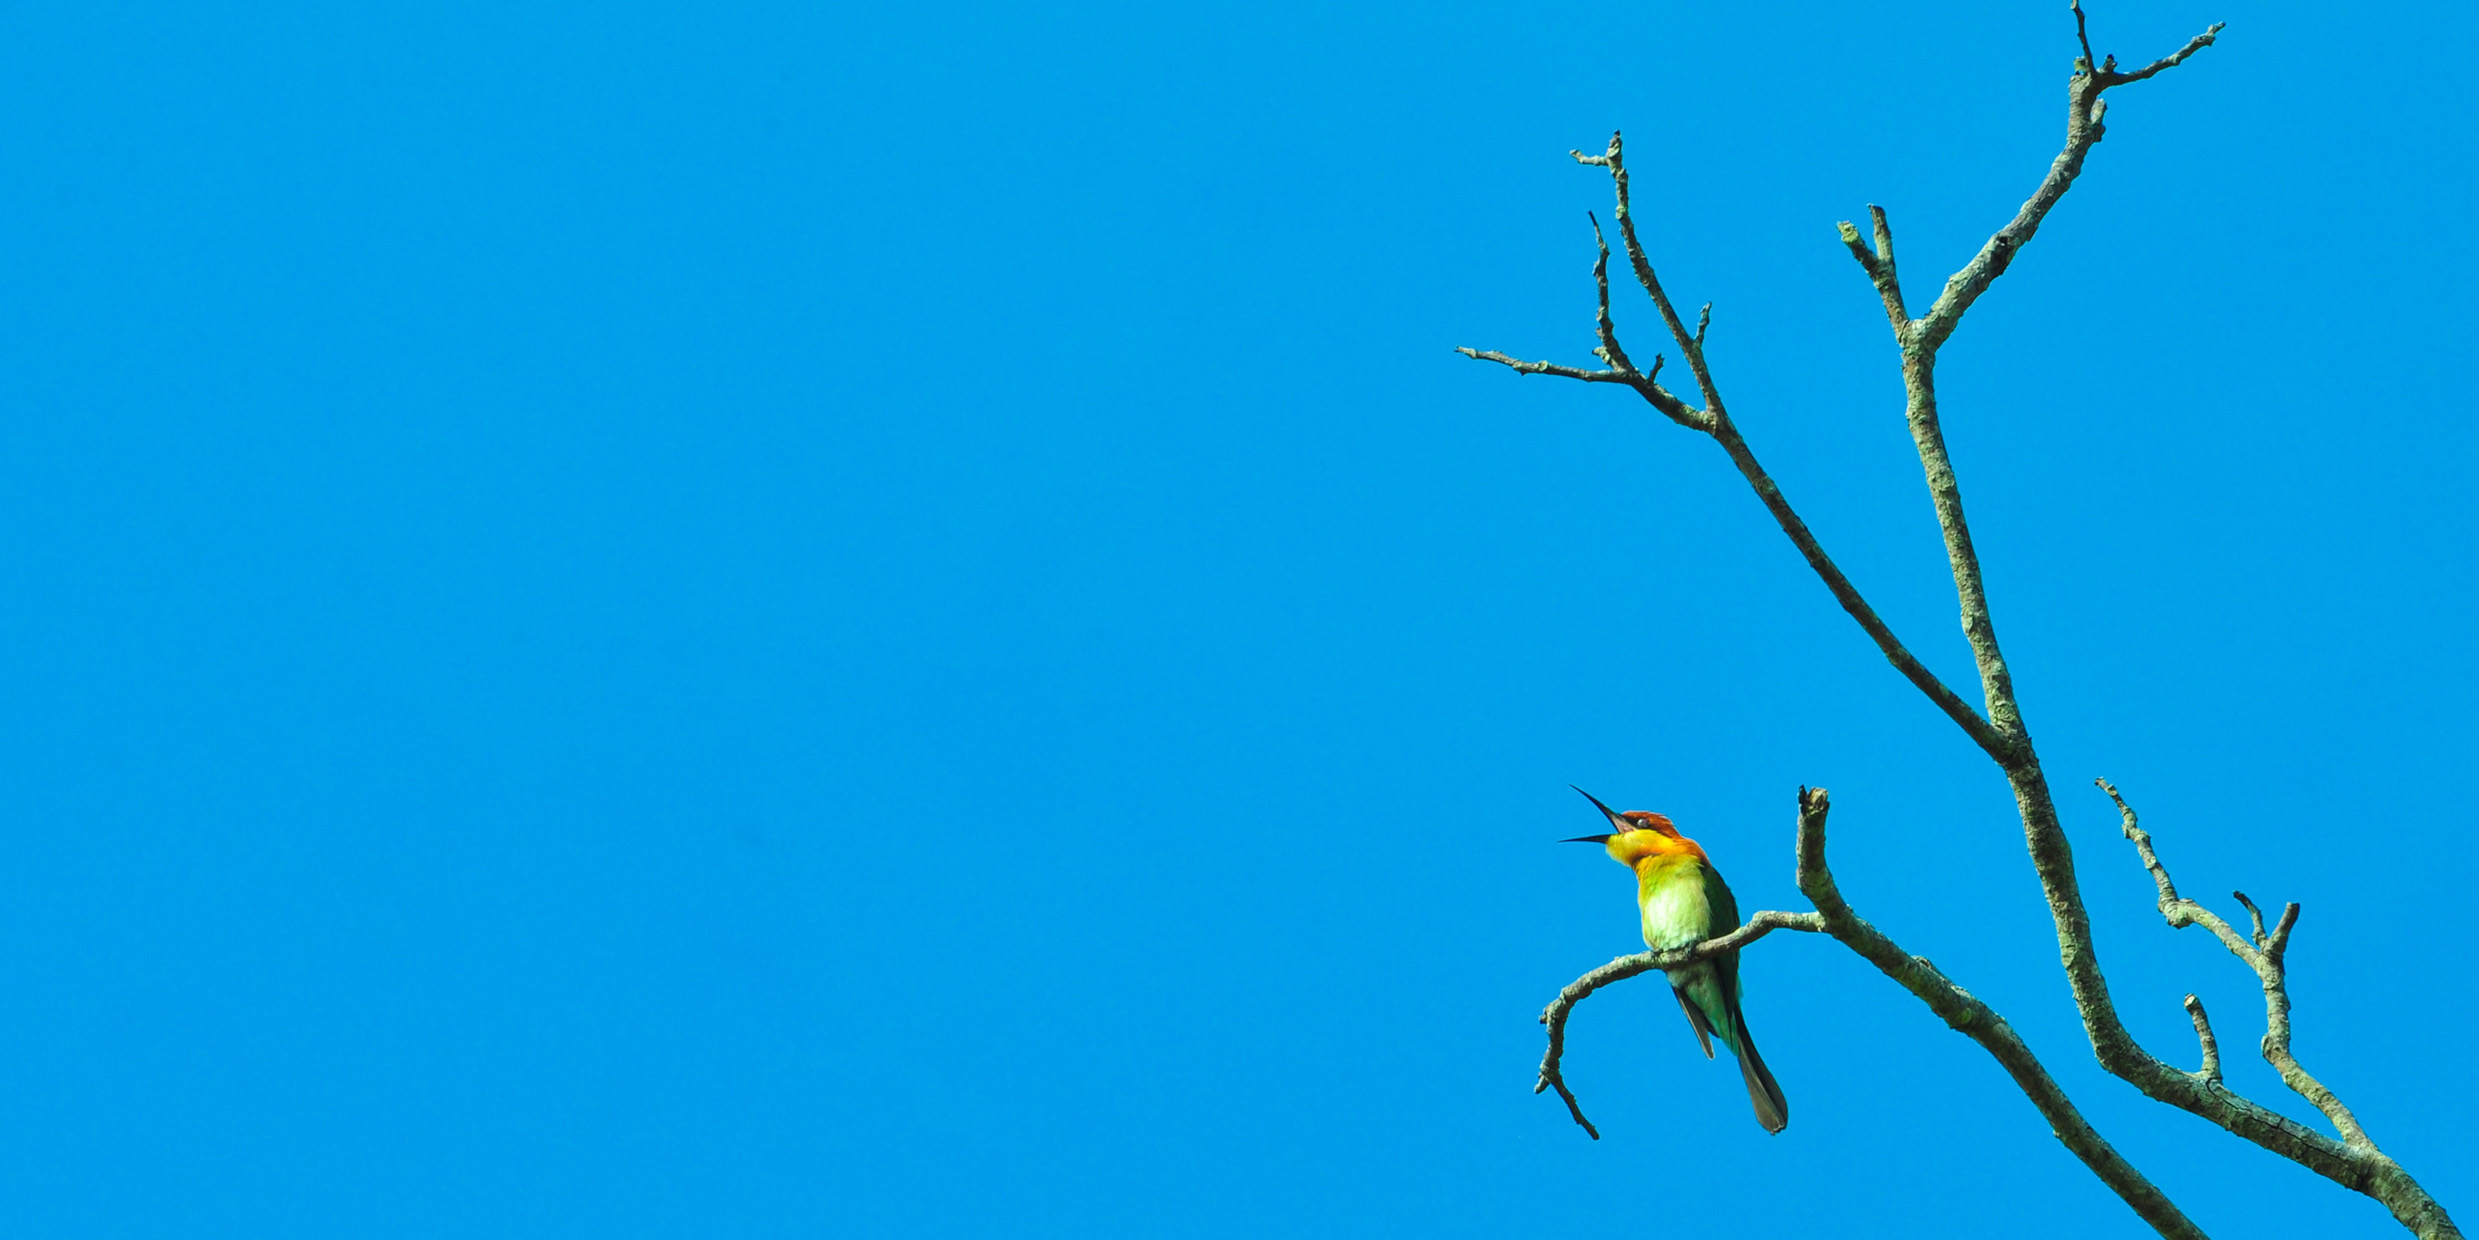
(1521, 367)
(1967, 1015)
(2281, 932)
(2000, 731)
(2211, 1070)
(2353, 1161)
(1609, 350)
(2264, 956)
(2253, 913)
(1880, 268)
(1690, 346)
(2052, 857)
(2108, 76)
(1620, 368)
(1770, 494)
(1619, 970)
(1714, 420)
(1919, 340)
(2083, 129)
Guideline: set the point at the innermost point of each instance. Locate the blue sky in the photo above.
(771, 621)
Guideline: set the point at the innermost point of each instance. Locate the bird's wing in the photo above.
(1721, 917)
(1717, 897)
(1724, 918)
(1695, 1019)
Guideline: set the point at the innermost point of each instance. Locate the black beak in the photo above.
(1606, 811)
(1587, 839)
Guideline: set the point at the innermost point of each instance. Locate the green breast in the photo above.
(1676, 910)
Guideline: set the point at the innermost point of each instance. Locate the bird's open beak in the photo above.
(1606, 811)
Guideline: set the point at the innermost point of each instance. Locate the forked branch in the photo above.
(1997, 727)
(2084, 112)
(1618, 368)
(1714, 420)
(2353, 1160)
(2199, 1092)
(1960, 1009)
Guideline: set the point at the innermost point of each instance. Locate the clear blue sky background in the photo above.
(772, 621)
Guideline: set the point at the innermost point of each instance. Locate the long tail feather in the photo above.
(1772, 1109)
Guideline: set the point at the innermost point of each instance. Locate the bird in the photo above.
(1684, 902)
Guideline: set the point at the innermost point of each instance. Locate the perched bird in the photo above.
(1684, 902)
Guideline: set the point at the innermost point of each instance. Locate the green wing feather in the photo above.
(1729, 1024)
(1719, 1008)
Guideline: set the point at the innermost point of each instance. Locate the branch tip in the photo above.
(2254, 913)
(1858, 247)
(2211, 1069)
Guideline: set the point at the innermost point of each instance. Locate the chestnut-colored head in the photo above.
(1639, 834)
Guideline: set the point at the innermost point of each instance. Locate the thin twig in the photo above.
(1608, 350)
(1690, 346)
(2280, 940)
(1620, 368)
(1859, 250)
(1880, 268)
(1521, 367)
(1884, 239)
(2170, 61)
(1619, 970)
(2254, 913)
